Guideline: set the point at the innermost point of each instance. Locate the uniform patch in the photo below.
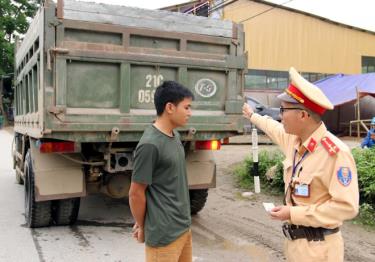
(329, 146)
(311, 145)
(344, 175)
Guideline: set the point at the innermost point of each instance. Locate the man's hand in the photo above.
(138, 233)
(280, 213)
(247, 111)
(137, 201)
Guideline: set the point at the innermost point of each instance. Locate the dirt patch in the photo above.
(244, 227)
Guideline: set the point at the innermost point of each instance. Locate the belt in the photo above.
(293, 232)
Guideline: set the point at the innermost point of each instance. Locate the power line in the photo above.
(221, 5)
(251, 17)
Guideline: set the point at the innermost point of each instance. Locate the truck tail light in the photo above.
(207, 145)
(57, 147)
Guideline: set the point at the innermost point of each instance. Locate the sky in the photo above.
(358, 13)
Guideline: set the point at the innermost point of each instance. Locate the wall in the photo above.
(281, 38)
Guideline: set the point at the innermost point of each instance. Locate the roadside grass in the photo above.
(275, 186)
(366, 216)
(245, 180)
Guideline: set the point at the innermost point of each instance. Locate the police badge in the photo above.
(344, 175)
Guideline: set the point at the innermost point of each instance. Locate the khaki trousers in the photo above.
(179, 250)
(331, 249)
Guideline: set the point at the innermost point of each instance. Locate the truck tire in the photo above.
(198, 198)
(37, 214)
(65, 211)
(19, 179)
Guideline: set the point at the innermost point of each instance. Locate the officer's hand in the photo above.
(247, 111)
(280, 213)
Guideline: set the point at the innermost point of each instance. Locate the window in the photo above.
(313, 77)
(368, 64)
(266, 79)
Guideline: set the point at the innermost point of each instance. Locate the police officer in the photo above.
(321, 187)
(369, 140)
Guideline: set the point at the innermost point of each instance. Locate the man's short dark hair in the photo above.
(170, 92)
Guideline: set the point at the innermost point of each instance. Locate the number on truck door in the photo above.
(146, 95)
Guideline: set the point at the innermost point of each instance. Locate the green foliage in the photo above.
(366, 215)
(14, 21)
(244, 172)
(365, 161)
(6, 55)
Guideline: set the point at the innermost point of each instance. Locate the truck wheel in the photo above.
(65, 211)
(19, 179)
(198, 198)
(37, 214)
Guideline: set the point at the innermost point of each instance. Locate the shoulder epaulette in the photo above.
(329, 146)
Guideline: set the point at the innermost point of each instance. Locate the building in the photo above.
(278, 37)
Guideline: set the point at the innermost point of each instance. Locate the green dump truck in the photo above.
(85, 78)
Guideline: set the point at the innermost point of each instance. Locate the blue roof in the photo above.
(341, 89)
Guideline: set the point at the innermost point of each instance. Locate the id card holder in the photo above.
(302, 190)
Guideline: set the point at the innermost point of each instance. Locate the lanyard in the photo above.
(299, 162)
(289, 189)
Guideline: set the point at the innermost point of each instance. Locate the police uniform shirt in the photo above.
(327, 174)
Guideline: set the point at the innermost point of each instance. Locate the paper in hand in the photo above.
(268, 206)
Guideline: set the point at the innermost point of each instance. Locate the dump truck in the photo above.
(85, 77)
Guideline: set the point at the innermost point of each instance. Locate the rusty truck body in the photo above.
(85, 78)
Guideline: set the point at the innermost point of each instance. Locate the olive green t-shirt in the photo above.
(160, 163)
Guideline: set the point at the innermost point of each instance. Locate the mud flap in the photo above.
(201, 169)
(55, 176)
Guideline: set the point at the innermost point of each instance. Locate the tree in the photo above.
(15, 16)
(14, 20)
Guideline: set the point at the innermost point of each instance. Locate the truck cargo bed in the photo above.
(85, 69)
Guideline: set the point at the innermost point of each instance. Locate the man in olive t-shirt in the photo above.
(159, 194)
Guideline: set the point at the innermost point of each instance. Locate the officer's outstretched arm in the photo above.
(274, 130)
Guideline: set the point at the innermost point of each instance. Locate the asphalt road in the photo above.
(229, 228)
(102, 233)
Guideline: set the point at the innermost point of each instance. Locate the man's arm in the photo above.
(366, 140)
(145, 159)
(137, 201)
(272, 128)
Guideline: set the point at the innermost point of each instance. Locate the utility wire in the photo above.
(221, 5)
(265, 11)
